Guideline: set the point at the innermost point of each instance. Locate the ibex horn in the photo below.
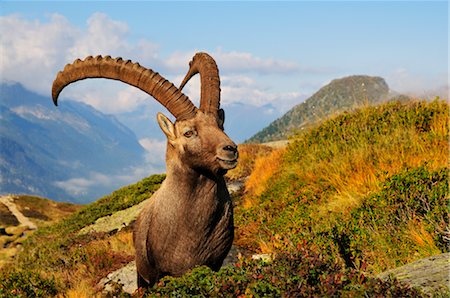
(209, 79)
(128, 72)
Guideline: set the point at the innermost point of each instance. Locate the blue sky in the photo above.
(271, 55)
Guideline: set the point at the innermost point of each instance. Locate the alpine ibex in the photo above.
(189, 220)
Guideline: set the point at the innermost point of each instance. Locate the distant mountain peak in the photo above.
(49, 151)
(340, 94)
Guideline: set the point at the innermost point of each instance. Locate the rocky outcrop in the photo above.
(431, 274)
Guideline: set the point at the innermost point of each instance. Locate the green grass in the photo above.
(369, 186)
(58, 253)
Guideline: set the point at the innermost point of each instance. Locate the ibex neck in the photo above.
(193, 180)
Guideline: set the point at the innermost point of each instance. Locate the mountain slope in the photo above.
(44, 149)
(339, 95)
(368, 187)
(361, 193)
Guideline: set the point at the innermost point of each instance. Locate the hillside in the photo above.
(44, 149)
(362, 193)
(340, 95)
(21, 215)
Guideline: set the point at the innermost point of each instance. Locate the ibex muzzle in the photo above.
(189, 220)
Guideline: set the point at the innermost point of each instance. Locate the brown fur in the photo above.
(189, 220)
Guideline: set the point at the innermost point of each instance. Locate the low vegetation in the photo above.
(303, 273)
(248, 154)
(361, 193)
(345, 182)
(42, 212)
(58, 260)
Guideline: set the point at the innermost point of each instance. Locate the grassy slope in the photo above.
(356, 179)
(361, 193)
(58, 260)
(40, 211)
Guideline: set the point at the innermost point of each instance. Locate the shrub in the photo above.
(406, 219)
(26, 284)
(305, 272)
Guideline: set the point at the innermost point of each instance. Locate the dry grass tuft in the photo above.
(248, 153)
(265, 168)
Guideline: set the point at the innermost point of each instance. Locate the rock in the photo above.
(430, 274)
(126, 276)
(266, 258)
(116, 221)
(235, 185)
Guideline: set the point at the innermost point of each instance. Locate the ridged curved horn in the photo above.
(128, 72)
(209, 79)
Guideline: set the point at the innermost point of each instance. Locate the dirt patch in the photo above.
(6, 217)
(35, 214)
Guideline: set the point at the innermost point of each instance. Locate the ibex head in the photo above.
(196, 139)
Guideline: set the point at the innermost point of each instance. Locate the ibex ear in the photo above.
(167, 126)
(221, 114)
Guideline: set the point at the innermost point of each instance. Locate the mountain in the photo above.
(61, 153)
(339, 95)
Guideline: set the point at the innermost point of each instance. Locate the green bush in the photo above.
(26, 284)
(417, 196)
(303, 273)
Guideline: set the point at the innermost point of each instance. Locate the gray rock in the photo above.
(126, 276)
(116, 221)
(430, 274)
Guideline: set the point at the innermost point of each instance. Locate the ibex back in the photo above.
(189, 220)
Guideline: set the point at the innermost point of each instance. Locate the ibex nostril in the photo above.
(230, 148)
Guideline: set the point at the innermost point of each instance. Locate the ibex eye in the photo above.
(188, 133)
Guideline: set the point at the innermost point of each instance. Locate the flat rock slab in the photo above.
(430, 274)
(115, 221)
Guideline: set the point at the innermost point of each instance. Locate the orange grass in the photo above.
(265, 168)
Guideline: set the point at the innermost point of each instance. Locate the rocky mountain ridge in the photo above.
(339, 95)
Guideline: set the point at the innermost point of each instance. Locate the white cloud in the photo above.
(32, 51)
(235, 62)
(405, 81)
(154, 164)
(103, 35)
(242, 89)
(155, 151)
(95, 181)
(39, 49)
(246, 62)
